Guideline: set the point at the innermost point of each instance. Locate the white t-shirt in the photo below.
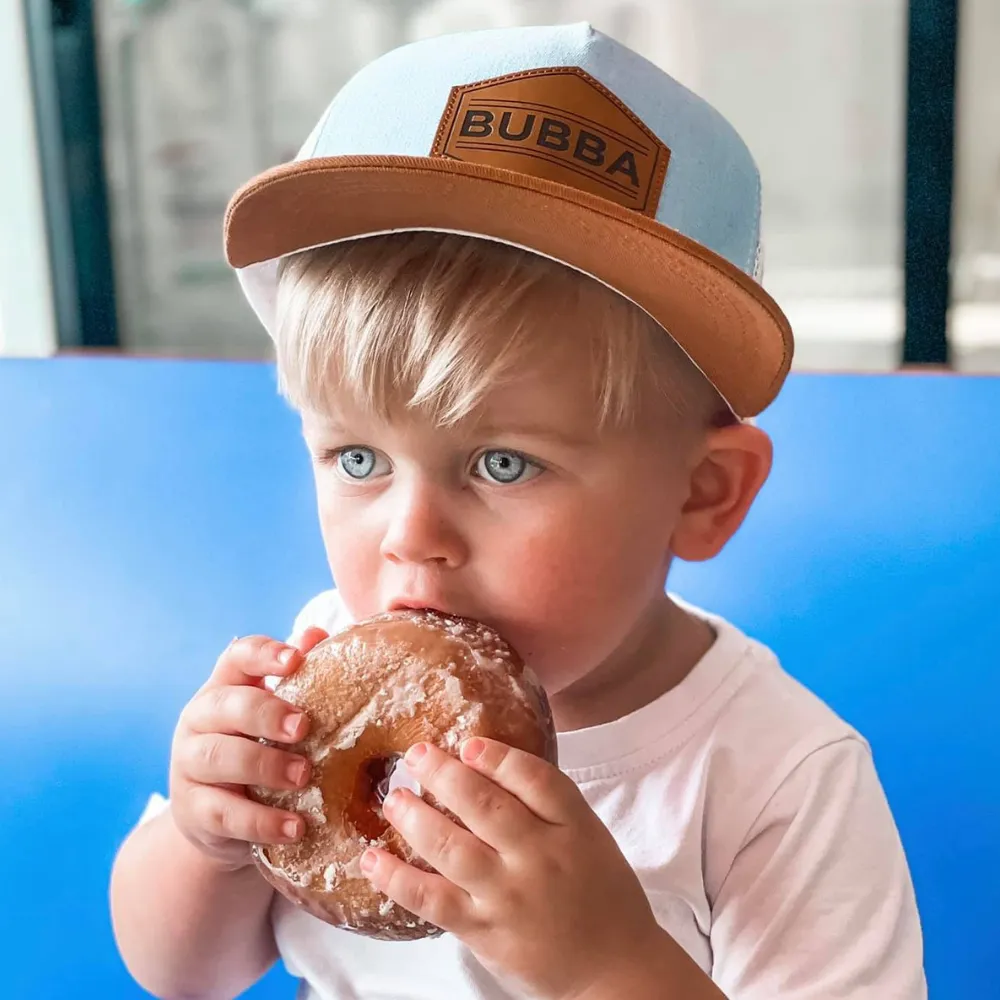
(754, 819)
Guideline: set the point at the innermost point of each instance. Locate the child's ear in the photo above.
(734, 464)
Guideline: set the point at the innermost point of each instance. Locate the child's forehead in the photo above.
(551, 398)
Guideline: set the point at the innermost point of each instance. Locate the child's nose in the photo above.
(419, 530)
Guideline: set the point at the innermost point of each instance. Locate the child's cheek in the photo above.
(569, 597)
(354, 562)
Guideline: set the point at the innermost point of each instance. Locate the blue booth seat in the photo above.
(151, 510)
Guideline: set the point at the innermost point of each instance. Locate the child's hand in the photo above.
(216, 752)
(536, 886)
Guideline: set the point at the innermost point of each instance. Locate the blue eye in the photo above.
(505, 467)
(357, 463)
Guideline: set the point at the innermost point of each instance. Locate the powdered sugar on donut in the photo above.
(308, 801)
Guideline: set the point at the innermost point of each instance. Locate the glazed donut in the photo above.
(372, 691)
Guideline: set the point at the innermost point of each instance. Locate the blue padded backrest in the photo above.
(151, 510)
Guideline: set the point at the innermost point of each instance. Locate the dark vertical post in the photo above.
(67, 98)
(930, 157)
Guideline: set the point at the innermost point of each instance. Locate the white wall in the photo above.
(27, 317)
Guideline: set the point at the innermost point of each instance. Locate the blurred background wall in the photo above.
(27, 321)
(191, 97)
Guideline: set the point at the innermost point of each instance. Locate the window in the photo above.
(201, 94)
(975, 314)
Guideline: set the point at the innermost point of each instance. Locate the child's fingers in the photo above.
(250, 659)
(543, 788)
(425, 894)
(238, 710)
(216, 759)
(457, 854)
(311, 637)
(494, 815)
(229, 815)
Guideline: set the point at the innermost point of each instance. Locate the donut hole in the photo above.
(377, 777)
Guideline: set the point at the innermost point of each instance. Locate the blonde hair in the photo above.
(431, 321)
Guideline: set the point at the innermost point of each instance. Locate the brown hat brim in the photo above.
(724, 320)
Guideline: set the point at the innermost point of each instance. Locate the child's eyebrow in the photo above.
(324, 425)
(574, 439)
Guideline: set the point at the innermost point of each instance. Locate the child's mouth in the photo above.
(412, 605)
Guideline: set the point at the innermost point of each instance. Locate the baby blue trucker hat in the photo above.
(561, 141)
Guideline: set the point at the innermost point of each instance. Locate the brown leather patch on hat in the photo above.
(559, 124)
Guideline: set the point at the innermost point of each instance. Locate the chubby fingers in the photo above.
(536, 783)
(218, 759)
(459, 855)
(250, 659)
(427, 894)
(312, 636)
(493, 815)
(245, 711)
(229, 815)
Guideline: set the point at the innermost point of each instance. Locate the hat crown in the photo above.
(620, 126)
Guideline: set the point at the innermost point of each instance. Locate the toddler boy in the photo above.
(512, 280)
